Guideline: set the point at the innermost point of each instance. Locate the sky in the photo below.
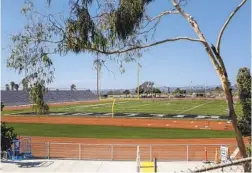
(173, 64)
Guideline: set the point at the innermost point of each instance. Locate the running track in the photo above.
(127, 151)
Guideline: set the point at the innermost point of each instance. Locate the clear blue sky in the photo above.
(170, 64)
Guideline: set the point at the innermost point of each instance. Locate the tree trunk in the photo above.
(233, 117)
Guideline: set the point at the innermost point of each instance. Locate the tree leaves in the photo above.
(244, 91)
(37, 96)
(7, 136)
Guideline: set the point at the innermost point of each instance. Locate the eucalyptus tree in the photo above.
(125, 28)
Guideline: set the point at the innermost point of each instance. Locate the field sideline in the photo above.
(199, 107)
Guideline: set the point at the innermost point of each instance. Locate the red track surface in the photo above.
(162, 123)
(172, 151)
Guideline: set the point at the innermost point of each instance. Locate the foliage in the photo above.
(178, 91)
(218, 90)
(128, 17)
(156, 91)
(145, 87)
(37, 96)
(141, 89)
(7, 136)
(7, 87)
(2, 106)
(16, 86)
(12, 84)
(126, 92)
(73, 87)
(24, 83)
(244, 91)
(31, 50)
(249, 148)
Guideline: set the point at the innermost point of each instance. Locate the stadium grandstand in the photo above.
(13, 98)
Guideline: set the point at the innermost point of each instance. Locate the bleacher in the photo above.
(12, 98)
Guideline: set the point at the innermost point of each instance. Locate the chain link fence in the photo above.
(162, 152)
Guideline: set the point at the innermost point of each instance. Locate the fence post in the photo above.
(48, 150)
(79, 151)
(187, 152)
(150, 153)
(112, 152)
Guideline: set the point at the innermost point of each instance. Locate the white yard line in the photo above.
(134, 107)
(195, 107)
(140, 105)
(95, 105)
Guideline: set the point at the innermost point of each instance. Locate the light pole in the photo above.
(191, 92)
(205, 87)
(98, 68)
(138, 81)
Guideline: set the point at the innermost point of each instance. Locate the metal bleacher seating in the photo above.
(12, 98)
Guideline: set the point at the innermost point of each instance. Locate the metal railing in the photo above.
(162, 152)
(232, 166)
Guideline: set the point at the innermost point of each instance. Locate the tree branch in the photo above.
(163, 13)
(226, 23)
(159, 16)
(197, 30)
(144, 46)
(220, 60)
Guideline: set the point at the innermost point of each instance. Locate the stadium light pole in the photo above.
(205, 87)
(98, 68)
(138, 81)
(191, 88)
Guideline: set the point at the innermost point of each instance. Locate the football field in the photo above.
(187, 107)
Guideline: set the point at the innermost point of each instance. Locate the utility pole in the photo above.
(138, 81)
(98, 68)
(205, 87)
(191, 88)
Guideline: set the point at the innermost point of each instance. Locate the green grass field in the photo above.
(198, 107)
(91, 131)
